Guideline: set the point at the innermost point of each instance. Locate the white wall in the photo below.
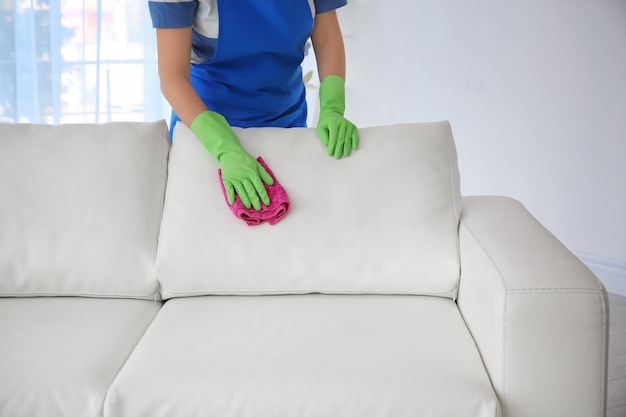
(535, 91)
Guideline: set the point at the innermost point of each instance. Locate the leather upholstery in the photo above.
(85, 196)
(382, 221)
(537, 314)
(59, 355)
(306, 356)
(433, 305)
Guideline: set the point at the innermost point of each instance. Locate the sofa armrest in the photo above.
(538, 315)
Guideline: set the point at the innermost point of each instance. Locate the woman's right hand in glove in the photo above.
(241, 173)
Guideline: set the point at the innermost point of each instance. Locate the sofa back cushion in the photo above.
(80, 208)
(383, 220)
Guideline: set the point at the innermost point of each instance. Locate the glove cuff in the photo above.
(333, 94)
(214, 132)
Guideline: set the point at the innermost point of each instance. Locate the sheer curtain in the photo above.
(77, 61)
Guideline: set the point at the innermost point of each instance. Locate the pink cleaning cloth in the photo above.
(279, 202)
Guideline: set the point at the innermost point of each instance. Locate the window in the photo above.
(78, 61)
(87, 61)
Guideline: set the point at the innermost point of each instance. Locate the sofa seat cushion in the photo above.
(59, 355)
(383, 220)
(80, 208)
(312, 355)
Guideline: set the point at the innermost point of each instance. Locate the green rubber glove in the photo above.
(336, 132)
(241, 173)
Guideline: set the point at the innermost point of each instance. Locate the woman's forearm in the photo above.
(174, 52)
(328, 45)
(182, 97)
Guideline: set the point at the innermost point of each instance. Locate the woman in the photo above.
(245, 71)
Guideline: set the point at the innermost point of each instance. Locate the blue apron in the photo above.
(254, 78)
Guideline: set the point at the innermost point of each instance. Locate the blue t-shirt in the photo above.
(202, 16)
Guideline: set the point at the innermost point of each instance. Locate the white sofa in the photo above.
(128, 288)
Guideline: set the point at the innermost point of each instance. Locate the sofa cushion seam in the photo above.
(555, 289)
(503, 372)
(130, 353)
